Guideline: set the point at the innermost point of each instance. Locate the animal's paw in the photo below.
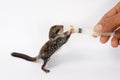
(72, 30)
(46, 70)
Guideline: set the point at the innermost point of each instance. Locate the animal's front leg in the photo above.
(43, 66)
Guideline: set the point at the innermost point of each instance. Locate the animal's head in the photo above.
(55, 30)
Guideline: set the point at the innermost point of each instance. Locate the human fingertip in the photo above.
(104, 39)
(114, 43)
(114, 46)
(98, 28)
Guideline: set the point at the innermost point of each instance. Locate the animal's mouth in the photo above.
(66, 29)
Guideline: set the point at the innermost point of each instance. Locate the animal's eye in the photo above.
(57, 30)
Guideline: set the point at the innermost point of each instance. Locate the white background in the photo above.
(24, 27)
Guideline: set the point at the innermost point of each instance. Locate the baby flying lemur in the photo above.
(57, 38)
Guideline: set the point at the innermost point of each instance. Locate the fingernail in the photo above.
(98, 28)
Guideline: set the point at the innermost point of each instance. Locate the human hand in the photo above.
(110, 22)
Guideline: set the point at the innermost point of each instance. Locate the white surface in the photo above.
(24, 27)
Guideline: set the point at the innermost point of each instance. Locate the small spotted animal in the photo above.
(57, 38)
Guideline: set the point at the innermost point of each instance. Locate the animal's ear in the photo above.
(54, 30)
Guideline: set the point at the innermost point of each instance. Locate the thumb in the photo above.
(108, 24)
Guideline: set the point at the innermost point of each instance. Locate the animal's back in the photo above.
(51, 46)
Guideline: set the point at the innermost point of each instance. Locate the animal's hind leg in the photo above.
(43, 66)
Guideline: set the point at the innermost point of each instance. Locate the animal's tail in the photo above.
(23, 56)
